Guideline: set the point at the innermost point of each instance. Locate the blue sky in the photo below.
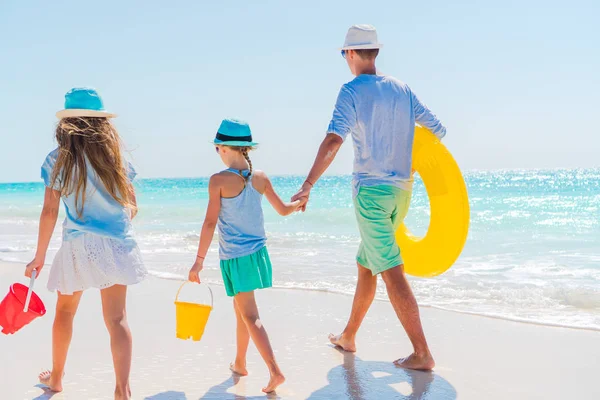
(515, 82)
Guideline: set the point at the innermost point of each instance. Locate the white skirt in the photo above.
(90, 260)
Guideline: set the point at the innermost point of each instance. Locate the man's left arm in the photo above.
(426, 118)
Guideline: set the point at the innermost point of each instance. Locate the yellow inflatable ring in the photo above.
(435, 252)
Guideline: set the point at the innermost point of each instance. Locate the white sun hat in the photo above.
(361, 37)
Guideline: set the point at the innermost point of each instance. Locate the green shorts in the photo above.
(380, 210)
(248, 273)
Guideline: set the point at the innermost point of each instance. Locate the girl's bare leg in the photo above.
(246, 304)
(115, 317)
(242, 341)
(62, 331)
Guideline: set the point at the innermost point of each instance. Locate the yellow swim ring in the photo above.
(435, 252)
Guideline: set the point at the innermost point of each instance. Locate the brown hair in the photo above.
(97, 141)
(367, 54)
(244, 151)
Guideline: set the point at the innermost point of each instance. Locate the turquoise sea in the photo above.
(533, 251)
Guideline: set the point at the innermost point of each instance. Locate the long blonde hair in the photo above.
(97, 140)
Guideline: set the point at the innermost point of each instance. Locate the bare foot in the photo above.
(238, 369)
(342, 342)
(416, 361)
(54, 384)
(274, 383)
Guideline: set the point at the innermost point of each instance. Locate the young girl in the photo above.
(235, 208)
(88, 172)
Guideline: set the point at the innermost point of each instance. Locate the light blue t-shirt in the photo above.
(102, 214)
(380, 113)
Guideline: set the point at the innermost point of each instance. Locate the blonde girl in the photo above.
(88, 172)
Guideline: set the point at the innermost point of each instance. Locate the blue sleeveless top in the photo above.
(241, 222)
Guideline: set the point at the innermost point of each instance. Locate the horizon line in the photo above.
(465, 172)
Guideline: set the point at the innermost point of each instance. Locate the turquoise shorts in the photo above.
(248, 273)
(380, 210)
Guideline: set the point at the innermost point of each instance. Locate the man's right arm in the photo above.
(342, 123)
(424, 117)
(327, 152)
(325, 156)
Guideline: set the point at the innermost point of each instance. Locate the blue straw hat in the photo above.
(83, 102)
(233, 132)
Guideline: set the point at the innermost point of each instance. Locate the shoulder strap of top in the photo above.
(243, 174)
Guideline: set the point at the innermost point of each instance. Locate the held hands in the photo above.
(194, 275)
(299, 204)
(36, 265)
(303, 195)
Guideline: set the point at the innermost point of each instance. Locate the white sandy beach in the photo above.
(477, 357)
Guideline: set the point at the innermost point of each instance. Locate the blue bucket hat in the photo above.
(83, 102)
(233, 132)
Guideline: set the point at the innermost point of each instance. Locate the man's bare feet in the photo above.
(342, 342)
(238, 369)
(416, 361)
(54, 384)
(274, 383)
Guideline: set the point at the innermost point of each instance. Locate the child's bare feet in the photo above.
(239, 369)
(53, 383)
(274, 383)
(123, 396)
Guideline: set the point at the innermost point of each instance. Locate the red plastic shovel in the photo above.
(20, 306)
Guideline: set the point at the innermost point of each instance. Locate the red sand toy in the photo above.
(20, 306)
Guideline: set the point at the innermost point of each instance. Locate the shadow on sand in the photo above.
(48, 394)
(220, 392)
(362, 380)
(169, 395)
(354, 379)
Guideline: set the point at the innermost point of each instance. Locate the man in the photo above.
(379, 112)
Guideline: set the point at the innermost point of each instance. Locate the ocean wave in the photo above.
(12, 260)
(32, 221)
(576, 222)
(167, 275)
(167, 250)
(531, 321)
(14, 250)
(587, 299)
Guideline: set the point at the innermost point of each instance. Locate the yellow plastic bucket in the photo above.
(435, 252)
(191, 318)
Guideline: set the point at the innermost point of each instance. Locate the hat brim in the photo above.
(363, 47)
(80, 112)
(234, 143)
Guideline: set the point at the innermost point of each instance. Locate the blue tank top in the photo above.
(241, 222)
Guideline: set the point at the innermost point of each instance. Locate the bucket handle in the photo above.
(209, 289)
(28, 299)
